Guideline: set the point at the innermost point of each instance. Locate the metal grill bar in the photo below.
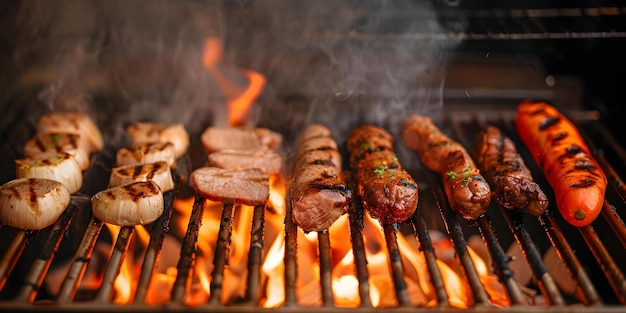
(457, 237)
(220, 258)
(358, 249)
(501, 262)
(151, 257)
(397, 270)
(114, 264)
(255, 256)
(188, 251)
(421, 231)
(291, 267)
(326, 278)
(14, 252)
(610, 269)
(38, 270)
(80, 261)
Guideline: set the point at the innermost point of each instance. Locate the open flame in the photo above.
(345, 283)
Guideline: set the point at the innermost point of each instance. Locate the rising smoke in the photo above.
(341, 63)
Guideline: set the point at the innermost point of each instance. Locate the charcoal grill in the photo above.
(594, 260)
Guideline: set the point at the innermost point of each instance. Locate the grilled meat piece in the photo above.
(467, 191)
(319, 195)
(73, 123)
(147, 152)
(158, 132)
(247, 186)
(220, 138)
(58, 166)
(158, 172)
(32, 203)
(387, 191)
(73, 144)
(507, 174)
(267, 160)
(129, 205)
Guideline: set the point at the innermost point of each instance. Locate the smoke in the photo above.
(340, 63)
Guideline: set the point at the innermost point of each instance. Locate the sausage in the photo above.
(558, 148)
(319, 195)
(467, 191)
(387, 191)
(507, 174)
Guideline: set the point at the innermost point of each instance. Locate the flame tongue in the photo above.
(239, 98)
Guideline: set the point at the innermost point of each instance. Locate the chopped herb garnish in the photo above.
(451, 174)
(56, 138)
(443, 143)
(466, 180)
(367, 144)
(467, 170)
(379, 170)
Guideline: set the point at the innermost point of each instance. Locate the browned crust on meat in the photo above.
(467, 191)
(319, 195)
(507, 174)
(387, 191)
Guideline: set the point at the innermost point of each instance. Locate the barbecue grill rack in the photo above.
(459, 124)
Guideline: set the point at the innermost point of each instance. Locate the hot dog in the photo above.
(558, 148)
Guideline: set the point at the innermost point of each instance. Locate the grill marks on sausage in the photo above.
(506, 173)
(548, 122)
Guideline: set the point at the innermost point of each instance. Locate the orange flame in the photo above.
(239, 98)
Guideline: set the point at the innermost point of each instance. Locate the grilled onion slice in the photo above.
(129, 205)
(157, 132)
(74, 123)
(32, 203)
(147, 152)
(158, 172)
(73, 144)
(52, 165)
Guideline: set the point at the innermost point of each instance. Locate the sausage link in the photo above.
(467, 191)
(318, 192)
(387, 191)
(507, 174)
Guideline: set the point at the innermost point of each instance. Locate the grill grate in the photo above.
(461, 124)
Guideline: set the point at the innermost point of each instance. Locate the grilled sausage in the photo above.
(560, 151)
(319, 195)
(387, 191)
(507, 174)
(467, 191)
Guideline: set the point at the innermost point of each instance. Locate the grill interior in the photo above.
(601, 255)
(304, 65)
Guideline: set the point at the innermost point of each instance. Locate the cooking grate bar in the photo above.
(615, 221)
(291, 267)
(105, 292)
(326, 278)
(255, 256)
(610, 269)
(544, 280)
(397, 270)
(80, 261)
(188, 251)
(151, 257)
(501, 262)
(220, 258)
(426, 246)
(40, 267)
(584, 288)
(358, 250)
(454, 229)
(14, 252)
